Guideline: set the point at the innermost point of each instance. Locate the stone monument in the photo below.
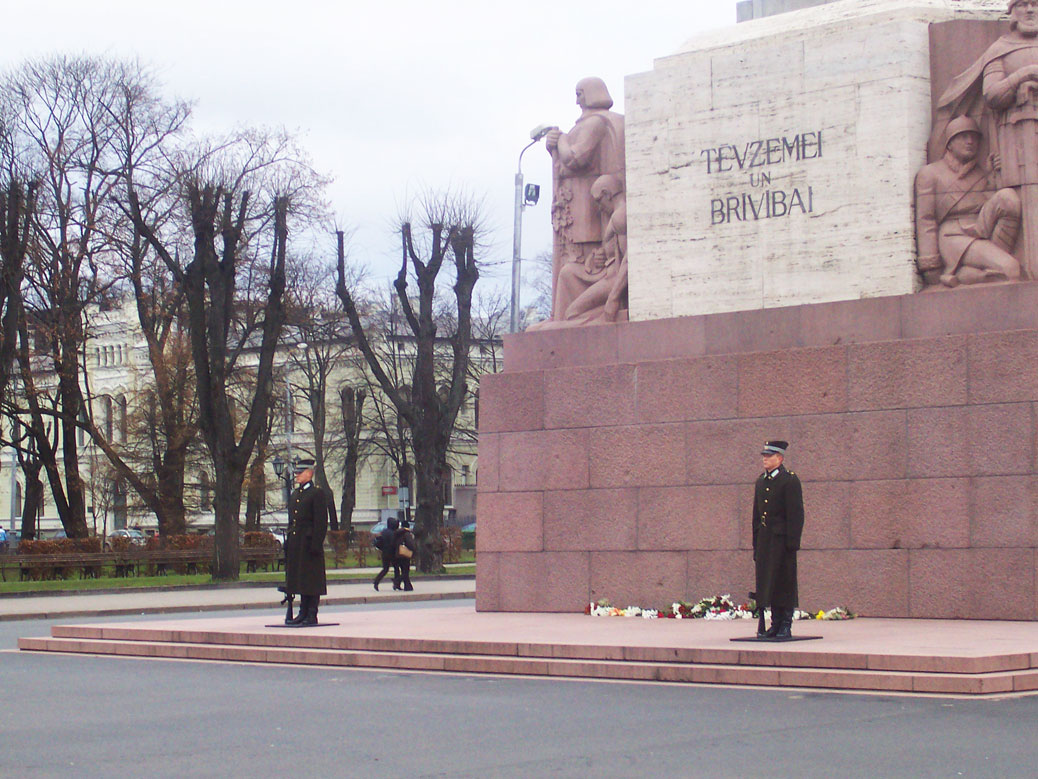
(776, 172)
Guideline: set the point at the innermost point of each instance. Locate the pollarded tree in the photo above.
(430, 401)
(218, 220)
(235, 301)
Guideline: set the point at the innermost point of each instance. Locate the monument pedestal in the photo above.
(618, 461)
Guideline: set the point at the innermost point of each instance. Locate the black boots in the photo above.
(307, 616)
(762, 626)
(781, 624)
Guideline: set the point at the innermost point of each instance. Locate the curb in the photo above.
(207, 587)
(359, 600)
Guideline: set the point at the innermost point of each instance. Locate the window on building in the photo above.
(109, 417)
(448, 488)
(120, 418)
(204, 492)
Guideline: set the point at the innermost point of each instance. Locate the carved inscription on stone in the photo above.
(756, 159)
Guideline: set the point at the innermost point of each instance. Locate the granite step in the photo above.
(786, 669)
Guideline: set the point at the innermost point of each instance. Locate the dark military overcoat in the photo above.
(778, 523)
(304, 544)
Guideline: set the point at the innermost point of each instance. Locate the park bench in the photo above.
(128, 562)
(87, 563)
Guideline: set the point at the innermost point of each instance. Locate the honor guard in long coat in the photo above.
(304, 544)
(778, 522)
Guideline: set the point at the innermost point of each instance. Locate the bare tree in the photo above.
(59, 128)
(17, 205)
(209, 283)
(151, 456)
(430, 404)
(317, 344)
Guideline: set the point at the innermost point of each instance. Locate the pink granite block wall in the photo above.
(872, 582)
(1004, 511)
(1003, 367)
(510, 522)
(850, 322)
(589, 397)
(488, 589)
(511, 401)
(716, 572)
(638, 456)
(844, 447)
(693, 517)
(907, 374)
(562, 348)
(1001, 439)
(829, 506)
(591, 520)
(661, 339)
(625, 471)
(973, 583)
(682, 390)
(715, 450)
(981, 309)
(909, 514)
(646, 579)
(795, 381)
(544, 460)
(551, 582)
(488, 467)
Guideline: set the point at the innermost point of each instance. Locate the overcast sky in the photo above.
(391, 98)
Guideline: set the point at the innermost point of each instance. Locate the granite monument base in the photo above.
(617, 461)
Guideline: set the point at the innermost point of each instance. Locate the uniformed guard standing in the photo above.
(304, 544)
(778, 522)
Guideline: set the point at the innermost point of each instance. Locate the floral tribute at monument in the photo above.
(817, 228)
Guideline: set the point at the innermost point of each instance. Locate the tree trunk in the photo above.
(226, 552)
(171, 515)
(429, 513)
(255, 496)
(31, 503)
(349, 493)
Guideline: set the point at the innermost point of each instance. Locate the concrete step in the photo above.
(794, 669)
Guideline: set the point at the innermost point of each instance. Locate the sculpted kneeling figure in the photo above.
(595, 289)
(965, 231)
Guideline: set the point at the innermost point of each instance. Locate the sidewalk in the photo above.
(246, 596)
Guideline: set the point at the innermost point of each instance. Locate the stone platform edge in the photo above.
(965, 310)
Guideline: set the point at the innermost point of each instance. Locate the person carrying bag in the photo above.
(404, 543)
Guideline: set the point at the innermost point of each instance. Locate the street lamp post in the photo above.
(521, 201)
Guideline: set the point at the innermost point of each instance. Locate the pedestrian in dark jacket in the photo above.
(403, 538)
(778, 523)
(384, 544)
(304, 544)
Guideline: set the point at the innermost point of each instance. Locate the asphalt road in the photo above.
(87, 717)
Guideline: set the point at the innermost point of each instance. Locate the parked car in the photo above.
(137, 538)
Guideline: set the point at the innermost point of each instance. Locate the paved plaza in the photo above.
(98, 716)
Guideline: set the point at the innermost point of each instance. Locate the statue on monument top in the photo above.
(1000, 91)
(586, 275)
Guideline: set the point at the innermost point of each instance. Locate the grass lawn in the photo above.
(181, 580)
